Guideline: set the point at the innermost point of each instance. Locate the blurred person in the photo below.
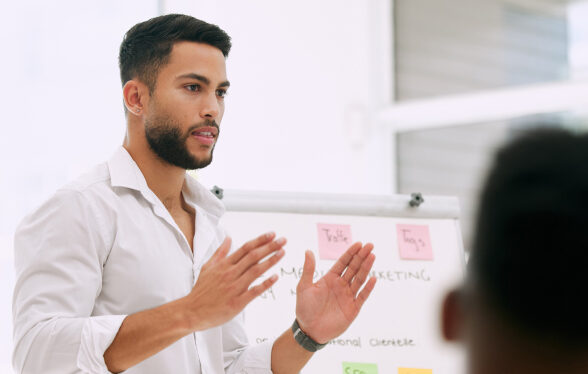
(521, 309)
(127, 268)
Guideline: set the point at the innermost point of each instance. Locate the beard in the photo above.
(169, 144)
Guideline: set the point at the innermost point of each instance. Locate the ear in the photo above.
(452, 315)
(133, 95)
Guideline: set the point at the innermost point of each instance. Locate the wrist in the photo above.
(187, 316)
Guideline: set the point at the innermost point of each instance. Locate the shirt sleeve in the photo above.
(59, 254)
(240, 356)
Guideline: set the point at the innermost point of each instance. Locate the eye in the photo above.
(221, 93)
(193, 87)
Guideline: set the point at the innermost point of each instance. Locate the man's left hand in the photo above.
(325, 309)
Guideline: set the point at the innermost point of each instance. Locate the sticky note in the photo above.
(414, 242)
(333, 240)
(414, 371)
(359, 368)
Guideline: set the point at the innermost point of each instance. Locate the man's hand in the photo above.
(222, 291)
(325, 309)
(223, 287)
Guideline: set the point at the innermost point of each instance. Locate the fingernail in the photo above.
(281, 252)
(274, 277)
(281, 241)
(270, 234)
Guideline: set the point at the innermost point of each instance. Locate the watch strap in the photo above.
(304, 340)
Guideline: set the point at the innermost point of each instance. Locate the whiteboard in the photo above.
(398, 329)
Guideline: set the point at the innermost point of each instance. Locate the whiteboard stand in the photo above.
(398, 328)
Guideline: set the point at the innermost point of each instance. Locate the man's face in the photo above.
(187, 105)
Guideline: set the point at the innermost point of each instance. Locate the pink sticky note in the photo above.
(333, 240)
(414, 242)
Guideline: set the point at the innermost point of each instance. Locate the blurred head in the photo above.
(174, 80)
(521, 308)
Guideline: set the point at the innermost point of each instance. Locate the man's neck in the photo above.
(165, 180)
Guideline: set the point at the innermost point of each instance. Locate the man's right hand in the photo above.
(223, 286)
(222, 290)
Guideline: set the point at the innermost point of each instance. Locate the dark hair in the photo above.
(147, 45)
(530, 252)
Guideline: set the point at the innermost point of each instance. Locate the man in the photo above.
(127, 269)
(522, 308)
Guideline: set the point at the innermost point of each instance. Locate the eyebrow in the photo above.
(202, 79)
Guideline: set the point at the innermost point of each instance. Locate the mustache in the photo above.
(206, 123)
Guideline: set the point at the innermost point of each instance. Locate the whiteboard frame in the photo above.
(394, 205)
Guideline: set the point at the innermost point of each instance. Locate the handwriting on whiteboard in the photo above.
(414, 242)
(333, 240)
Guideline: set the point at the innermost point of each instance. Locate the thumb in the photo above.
(222, 251)
(307, 271)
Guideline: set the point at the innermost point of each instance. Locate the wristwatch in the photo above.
(304, 340)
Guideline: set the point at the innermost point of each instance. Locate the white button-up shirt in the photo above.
(102, 248)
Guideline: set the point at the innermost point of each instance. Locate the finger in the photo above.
(222, 251)
(307, 270)
(255, 291)
(362, 274)
(250, 245)
(344, 260)
(356, 262)
(256, 255)
(365, 293)
(254, 272)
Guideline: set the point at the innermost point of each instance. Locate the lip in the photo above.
(205, 138)
(210, 129)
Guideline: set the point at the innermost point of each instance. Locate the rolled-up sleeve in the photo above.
(239, 356)
(59, 253)
(255, 359)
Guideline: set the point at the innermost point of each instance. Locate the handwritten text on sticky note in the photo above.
(359, 368)
(414, 242)
(333, 240)
(414, 371)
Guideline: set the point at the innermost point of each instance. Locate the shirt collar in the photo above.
(196, 194)
(124, 172)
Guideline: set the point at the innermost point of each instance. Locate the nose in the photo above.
(210, 107)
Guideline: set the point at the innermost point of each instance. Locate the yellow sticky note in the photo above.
(414, 371)
(359, 368)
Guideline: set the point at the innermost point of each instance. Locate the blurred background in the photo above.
(341, 96)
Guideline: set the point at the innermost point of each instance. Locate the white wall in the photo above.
(60, 104)
(306, 78)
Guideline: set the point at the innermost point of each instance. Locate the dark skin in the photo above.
(495, 345)
(190, 89)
